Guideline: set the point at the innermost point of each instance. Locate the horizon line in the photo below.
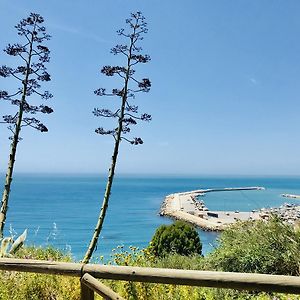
(135, 174)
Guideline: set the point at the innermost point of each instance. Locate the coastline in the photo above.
(187, 207)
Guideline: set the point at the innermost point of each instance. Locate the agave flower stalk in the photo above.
(33, 55)
(127, 114)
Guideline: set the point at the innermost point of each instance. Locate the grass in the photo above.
(31, 286)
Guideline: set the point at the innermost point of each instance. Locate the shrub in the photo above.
(178, 237)
(151, 291)
(46, 253)
(271, 247)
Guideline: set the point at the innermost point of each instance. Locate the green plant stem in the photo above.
(14, 143)
(111, 174)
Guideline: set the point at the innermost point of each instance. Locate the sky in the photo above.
(225, 87)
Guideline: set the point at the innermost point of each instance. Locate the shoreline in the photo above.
(185, 206)
(290, 196)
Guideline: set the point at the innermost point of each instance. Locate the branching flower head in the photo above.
(130, 85)
(33, 55)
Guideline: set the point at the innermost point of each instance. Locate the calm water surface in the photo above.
(62, 210)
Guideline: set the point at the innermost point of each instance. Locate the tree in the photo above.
(126, 114)
(32, 71)
(179, 237)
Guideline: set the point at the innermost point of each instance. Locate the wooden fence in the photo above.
(89, 272)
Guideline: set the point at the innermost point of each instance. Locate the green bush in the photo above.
(40, 253)
(271, 247)
(178, 237)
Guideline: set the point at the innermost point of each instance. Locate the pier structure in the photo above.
(185, 206)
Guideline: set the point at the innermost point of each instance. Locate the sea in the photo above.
(62, 210)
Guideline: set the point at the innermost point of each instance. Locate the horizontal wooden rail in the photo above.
(99, 287)
(243, 281)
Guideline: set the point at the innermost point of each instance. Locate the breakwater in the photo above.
(186, 206)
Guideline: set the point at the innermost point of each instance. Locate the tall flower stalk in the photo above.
(33, 55)
(126, 114)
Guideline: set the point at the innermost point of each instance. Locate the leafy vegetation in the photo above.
(271, 247)
(265, 247)
(30, 286)
(144, 258)
(240, 248)
(40, 253)
(179, 237)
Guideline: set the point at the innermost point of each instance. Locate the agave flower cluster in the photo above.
(126, 114)
(30, 74)
(28, 77)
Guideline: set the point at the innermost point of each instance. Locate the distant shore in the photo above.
(186, 206)
(290, 196)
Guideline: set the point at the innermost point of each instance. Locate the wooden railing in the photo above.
(89, 272)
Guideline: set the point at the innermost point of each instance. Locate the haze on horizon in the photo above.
(225, 87)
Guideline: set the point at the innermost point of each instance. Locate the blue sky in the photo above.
(225, 96)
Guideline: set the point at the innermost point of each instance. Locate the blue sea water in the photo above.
(61, 210)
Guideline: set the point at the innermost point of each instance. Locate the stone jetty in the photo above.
(186, 206)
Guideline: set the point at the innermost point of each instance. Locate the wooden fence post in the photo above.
(86, 292)
(99, 288)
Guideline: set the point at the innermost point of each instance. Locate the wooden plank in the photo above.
(99, 288)
(244, 281)
(41, 266)
(86, 293)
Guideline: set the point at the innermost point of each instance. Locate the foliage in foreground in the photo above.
(144, 258)
(271, 247)
(242, 247)
(179, 237)
(30, 286)
(264, 247)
